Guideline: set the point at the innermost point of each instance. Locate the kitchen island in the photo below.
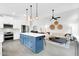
(33, 41)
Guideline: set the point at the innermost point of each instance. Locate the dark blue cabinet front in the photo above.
(34, 43)
(39, 44)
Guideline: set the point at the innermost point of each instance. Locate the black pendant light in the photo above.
(31, 12)
(26, 14)
(53, 17)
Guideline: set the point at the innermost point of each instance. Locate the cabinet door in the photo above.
(39, 44)
(31, 42)
(21, 38)
(26, 40)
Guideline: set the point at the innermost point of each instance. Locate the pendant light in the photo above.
(59, 26)
(52, 26)
(36, 11)
(30, 12)
(55, 22)
(26, 14)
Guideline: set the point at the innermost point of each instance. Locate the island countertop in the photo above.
(33, 34)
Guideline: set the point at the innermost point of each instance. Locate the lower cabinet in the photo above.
(0, 48)
(39, 44)
(33, 43)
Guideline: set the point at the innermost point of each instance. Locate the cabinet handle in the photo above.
(39, 38)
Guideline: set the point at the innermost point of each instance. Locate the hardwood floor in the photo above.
(15, 48)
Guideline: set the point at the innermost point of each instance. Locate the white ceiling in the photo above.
(44, 8)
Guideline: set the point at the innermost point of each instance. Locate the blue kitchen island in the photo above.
(33, 41)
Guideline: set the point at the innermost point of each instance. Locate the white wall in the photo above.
(0, 48)
(17, 22)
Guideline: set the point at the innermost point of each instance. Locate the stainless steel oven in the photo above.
(8, 33)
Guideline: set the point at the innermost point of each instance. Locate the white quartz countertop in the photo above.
(33, 34)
